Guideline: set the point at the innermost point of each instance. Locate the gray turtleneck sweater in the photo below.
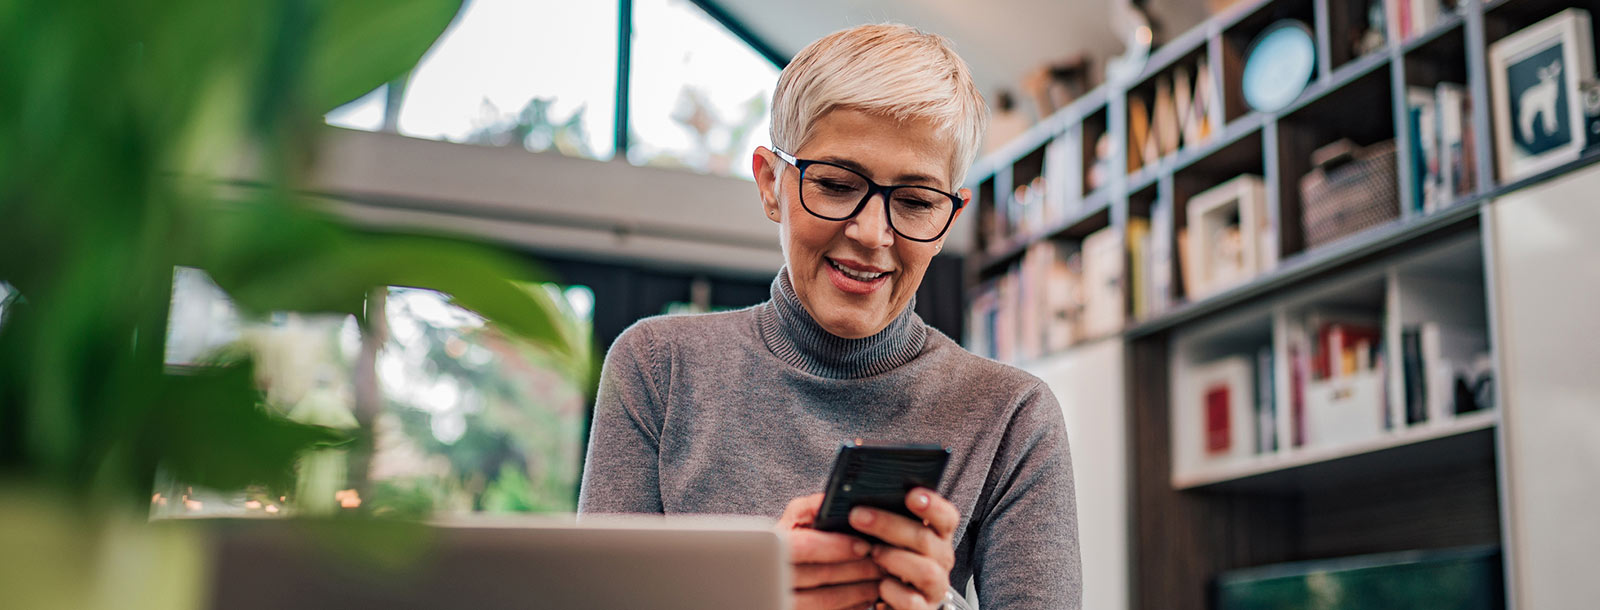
(739, 412)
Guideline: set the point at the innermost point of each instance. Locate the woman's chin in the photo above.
(852, 322)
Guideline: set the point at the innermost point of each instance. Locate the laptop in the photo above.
(664, 563)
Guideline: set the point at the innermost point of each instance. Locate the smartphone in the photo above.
(878, 476)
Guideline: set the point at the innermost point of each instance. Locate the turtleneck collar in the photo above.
(791, 333)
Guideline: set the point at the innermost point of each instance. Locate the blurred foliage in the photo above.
(533, 128)
(513, 416)
(136, 135)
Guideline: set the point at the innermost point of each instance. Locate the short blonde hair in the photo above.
(890, 69)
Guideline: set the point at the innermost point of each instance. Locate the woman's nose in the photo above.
(871, 227)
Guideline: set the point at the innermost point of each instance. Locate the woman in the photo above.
(742, 412)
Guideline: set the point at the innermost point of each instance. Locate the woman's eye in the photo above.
(837, 187)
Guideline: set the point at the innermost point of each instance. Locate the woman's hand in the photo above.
(830, 570)
(918, 555)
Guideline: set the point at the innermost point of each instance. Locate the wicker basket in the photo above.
(1351, 189)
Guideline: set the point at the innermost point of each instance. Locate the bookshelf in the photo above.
(1414, 475)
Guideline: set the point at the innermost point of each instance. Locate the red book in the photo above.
(1219, 432)
(1297, 396)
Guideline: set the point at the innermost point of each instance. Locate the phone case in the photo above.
(878, 476)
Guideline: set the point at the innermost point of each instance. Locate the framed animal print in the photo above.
(1536, 75)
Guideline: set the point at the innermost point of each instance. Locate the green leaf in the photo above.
(280, 258)
(209, 429)
(359, 45)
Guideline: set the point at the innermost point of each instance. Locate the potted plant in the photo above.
(116, 120)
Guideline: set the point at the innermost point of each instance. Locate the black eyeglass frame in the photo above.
(873, 188)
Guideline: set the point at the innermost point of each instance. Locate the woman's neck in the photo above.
(796, 338)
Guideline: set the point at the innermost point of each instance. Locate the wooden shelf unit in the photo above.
(1295, 504)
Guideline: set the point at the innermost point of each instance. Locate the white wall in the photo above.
(1088, 381)
(1545, 255)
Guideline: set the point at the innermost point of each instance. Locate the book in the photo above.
(1159, 255)
(1165, 122)
(1424, 14)
(1064, 297)
(1299, 375)
(1152, 144)
(1334, 338)
(1063, 195)
(1412, 371)
(1030, 334)
(1468, 176)
(1197, 125)
(1186, 269)
(1182, 95)
(1456, 175)
(1266, 414)
(1450, 98)
(1426, 141)
(1138, 263)
(1138, 133)
(1104, 262)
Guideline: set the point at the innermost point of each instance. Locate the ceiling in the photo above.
(1000, 39)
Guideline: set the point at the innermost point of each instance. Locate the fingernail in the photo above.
(922, 500)
(861, 516)
(861, 548)
(917, 600)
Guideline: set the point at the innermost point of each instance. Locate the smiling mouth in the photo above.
(864, 276)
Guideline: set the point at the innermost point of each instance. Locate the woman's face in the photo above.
(890, 152)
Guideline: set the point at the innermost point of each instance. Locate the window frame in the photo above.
(619, 126)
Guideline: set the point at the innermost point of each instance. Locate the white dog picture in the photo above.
(1542, 100)
(1536, 74)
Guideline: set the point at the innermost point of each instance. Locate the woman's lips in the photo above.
(850, 285)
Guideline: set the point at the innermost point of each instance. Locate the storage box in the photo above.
(1345, 410)
(1351, 189)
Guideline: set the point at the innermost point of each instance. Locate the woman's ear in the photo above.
(763, 165)
(966, 201)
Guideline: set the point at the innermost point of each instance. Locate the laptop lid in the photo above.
(492, 563)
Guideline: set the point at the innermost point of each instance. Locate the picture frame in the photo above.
(1536, 76)
(1214, 419)
(1226, 235)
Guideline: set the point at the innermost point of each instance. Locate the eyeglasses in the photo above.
(835, 192)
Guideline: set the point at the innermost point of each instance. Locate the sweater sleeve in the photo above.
(620, 470)
(1026, 553)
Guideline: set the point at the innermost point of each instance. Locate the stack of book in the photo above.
(1443, 166)
(1063, 160)
(1412, 17)
(1177, 113)
(1336, 378)
(1041, 202)
(1056, 296)
(1150, 260)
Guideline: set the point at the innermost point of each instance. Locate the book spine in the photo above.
(1415, 383)
(1451, 100)
(1266, 417)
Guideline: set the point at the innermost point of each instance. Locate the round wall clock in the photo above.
(1279, 65)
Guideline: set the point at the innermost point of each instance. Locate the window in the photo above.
(536, 73)
(365, 113)
(543, 75)
(698, 95)
(471, 420)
